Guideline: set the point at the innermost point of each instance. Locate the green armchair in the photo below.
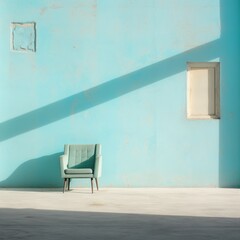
(81, 161)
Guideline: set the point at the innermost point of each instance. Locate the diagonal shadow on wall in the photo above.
(107, 91)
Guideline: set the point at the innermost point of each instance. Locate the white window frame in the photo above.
(202, 65)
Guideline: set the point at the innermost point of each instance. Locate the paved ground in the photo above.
(151, 213)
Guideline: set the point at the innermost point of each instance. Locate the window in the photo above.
(203, 90)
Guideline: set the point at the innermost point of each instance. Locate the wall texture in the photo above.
(114, 72)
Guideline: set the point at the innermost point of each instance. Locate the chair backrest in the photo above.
(81, 156)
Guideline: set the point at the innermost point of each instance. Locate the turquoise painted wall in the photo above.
(114, 72)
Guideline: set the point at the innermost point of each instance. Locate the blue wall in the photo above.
(114, 72)
(229, 129)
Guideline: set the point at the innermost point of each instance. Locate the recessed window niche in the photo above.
(203, 91)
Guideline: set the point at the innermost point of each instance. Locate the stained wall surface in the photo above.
(114, 72)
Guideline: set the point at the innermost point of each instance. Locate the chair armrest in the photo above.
(63, 164)
(98, 166)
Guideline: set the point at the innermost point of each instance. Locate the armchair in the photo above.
(81, 161)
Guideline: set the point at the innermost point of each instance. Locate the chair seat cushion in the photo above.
(78, 171)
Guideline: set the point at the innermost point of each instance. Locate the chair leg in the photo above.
(64, 184)
(69, 180)
(96, 180)
(92, 184)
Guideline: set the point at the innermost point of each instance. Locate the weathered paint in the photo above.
(114, 72)
(23, 37)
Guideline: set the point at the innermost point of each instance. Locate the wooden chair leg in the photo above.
(96, 180)
(92, 184)
(69, 180)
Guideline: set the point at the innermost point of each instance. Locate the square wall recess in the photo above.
(23, 37)
(203, 90)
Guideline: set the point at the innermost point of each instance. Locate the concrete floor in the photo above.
(151, 213)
